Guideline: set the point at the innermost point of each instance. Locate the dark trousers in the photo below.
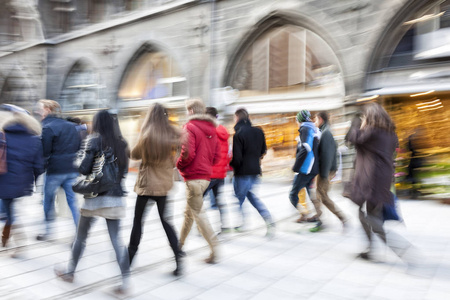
(213, 191)
(300, 181)
(136, 232)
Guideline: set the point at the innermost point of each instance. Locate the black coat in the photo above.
(327, 152)
(249, 146)
(61, 141)
(85, 161)
(24, 157)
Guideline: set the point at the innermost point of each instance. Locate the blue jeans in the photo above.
(52, 183)
(7, 209)
(300, 181)
(243, 188)
(212, 190)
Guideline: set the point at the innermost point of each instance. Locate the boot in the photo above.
(5, 235)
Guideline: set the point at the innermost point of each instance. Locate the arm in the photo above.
(217, 155)
(188, 152)
(47, 142)
(136, 153)
(38, 161)
(264, 146)
(236, 161)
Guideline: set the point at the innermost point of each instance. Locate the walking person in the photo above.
(375, 143)
(24, 161)
(61, 141)
(156, 148)
(219, 170)
(249, 147)
(327, 170)
(199, 153)
(306, 165)
(109, 205)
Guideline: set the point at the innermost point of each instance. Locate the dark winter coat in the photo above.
(327, 152)
(374, 165)
(201, 150)
(306, 157)
(25, 159)
(61, 141)
(219, 170)
(249, 146)
(85, 160)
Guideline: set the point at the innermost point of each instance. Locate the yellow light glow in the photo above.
(429, 102)
(424, 18)
(421, 94)
(367, 98)
(432, 108)
(428, 106)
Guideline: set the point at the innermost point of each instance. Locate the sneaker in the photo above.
(239, 229)
(42, 237)
(302, 219)
(181, 253)
(225, 230)
(63, 275)
(270, 230)
(313, 219)
(316, 228)
(365, 256)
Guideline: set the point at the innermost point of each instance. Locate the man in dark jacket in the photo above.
(306, 164)
(198, 154)
(25, 160)
(61, 142)
(249, 147)
(327, 167)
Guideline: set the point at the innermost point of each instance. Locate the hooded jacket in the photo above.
(201, 150)
(327, 152)
(249, 146)
(219, 170)
(306, 158)
(61, 142)
(24, 156)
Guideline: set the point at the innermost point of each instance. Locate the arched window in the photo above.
(82, 89)
(153, 75)
(286, 60)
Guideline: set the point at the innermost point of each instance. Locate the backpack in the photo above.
(3, 163)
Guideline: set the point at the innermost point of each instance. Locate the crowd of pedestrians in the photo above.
(200, 152)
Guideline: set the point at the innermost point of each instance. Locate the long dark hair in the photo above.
(159, 139)
(377, 117)
(107, 126)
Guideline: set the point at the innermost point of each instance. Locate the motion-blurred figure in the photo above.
(416, 161)
(61, 142)
(109, 205)
(327, 170)
(219, 170)
(375, 143)
(199, 153)
(25, 161)
(306, 164)
(249, 147)
(156, 148)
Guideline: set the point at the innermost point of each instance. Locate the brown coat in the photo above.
(374, 166)
(153, 179)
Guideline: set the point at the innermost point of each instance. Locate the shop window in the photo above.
(289, 59)
(154, 75)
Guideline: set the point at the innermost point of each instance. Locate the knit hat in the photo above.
(304, 116)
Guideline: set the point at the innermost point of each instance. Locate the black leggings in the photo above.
(136, 232)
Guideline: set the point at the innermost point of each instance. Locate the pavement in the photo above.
(293, 264)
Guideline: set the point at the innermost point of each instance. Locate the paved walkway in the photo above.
(295, 264)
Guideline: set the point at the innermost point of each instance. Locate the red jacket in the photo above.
(201, 149)
(219, 170)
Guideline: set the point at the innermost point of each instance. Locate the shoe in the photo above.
(42, 237)
(312, 219)
(301, 219)
(239, 229)
(181, 253)
(211, 260)
(316, 228)
(225, 230)
(270, 230)
(179, 270)
(364, 255)
(63, 275)
(120, 290)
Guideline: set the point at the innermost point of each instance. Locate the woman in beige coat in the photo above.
(156, 148)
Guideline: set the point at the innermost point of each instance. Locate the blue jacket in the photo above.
(60, 141)
(23, 155)
(306, 160)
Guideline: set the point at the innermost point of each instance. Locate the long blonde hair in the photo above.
(159, 140)
(375, 116)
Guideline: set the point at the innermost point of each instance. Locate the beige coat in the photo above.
(153, 180)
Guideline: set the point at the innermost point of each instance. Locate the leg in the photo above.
(52, 183)
(241, 188)
(80, 242)
(219, 200)
(121, 251)
(71, 197)
(323, 186)
(212, 196)
(195, 202)
(170, 232)
(7, 209)
(188, 220)
(136, 232)
(366, 226)
(258, 204)
(300, 181)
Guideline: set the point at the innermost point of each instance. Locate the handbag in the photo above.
(3, 163)
(103, 177)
